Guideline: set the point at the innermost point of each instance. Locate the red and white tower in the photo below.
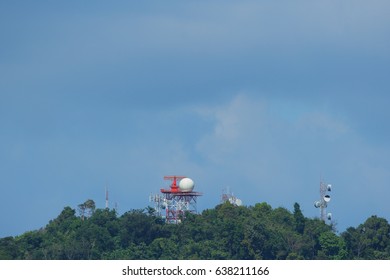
(177, 200)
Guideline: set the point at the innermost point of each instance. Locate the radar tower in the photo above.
(173, 203)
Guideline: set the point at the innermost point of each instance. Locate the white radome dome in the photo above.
(186, 185)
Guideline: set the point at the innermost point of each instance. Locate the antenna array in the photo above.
(322, 204)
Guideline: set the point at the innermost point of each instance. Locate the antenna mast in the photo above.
(324, 200)
(106, 198)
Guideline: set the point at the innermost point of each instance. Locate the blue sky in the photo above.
(264, 97)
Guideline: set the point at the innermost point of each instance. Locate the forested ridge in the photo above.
(225, 232)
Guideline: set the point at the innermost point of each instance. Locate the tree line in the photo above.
(225, 232)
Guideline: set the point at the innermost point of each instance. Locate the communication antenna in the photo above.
(324, 200)
(106, 198)
(229, 196)
(158, 202)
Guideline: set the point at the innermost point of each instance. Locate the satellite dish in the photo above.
(329, 216)
(317, 204)
(329, 187)
(327, 198)
(238, 202)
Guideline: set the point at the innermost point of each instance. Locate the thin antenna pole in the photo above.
(106, 198)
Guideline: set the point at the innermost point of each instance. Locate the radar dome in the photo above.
(186, 185)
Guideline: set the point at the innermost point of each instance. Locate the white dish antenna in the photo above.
(235, 201)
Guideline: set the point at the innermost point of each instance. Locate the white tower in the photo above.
(324, 200)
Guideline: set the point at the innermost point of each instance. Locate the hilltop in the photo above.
(225, 232)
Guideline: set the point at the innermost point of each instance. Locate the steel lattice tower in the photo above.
(324, 200)
(176, 201)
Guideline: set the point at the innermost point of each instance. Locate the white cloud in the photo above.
(235, 125)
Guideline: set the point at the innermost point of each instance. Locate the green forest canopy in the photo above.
(225, 232)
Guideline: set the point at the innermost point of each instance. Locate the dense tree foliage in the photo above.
(225, 232)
